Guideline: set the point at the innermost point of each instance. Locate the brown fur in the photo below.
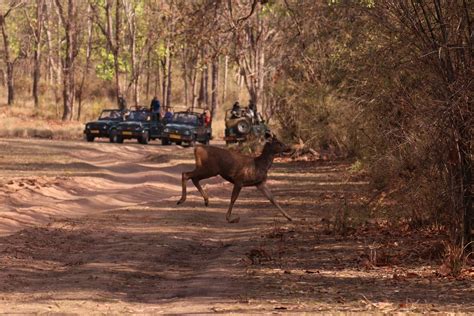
(236, 168)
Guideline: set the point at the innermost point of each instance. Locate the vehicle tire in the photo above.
(119, 139)
(143, 139)
(113, 136)
(90, 138)
(178, 143)
(243, 127)
(165, 141)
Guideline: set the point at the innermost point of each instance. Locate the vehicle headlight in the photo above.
(104, 127)
(187, 133)
(166, 130)
(87, 126)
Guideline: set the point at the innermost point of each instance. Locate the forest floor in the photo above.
(94, 227)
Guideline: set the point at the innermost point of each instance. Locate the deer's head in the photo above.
(274, 146)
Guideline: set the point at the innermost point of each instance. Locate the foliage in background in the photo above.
(392, 84)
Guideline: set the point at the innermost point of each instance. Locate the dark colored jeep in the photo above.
(108, 119)
(243, 125)
(140, 124)
(188, 128)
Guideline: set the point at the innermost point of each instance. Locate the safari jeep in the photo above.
(242, 125)
(107, 120)
(139, 124)
(186, 128)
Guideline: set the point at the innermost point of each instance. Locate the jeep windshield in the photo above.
(138, 116)
(110, 115)
(185, 118)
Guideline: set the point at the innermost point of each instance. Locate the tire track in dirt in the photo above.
(89, 178)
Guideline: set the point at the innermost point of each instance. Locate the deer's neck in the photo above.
(265, 160)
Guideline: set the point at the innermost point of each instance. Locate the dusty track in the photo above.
(95, 228)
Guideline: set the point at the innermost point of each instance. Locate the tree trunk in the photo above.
(206, 85)
(50, 65)
(214, 85)
(203, 90)
(168, 87)
(9, 63)
(87, 67)
(38, 31)
(134, 79)
(148, 66)
(116, 52)
(68, 20)
(185, 76)
(224, 88)
(136, 88)
(466, 183)
(164, 81)
(135, 62)
(10, 85)
(36, 77)
(194, 89)
(157, 81)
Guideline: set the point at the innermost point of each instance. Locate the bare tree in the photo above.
(251, 36)
(69, 20)
(9, 59)
(138, 51)
(36, 28)
(112, 30)
(87, 66)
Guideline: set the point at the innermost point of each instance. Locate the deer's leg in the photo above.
(201, 190)
(266, 191)
(185, 177)
(235, 195)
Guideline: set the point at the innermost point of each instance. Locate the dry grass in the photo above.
(455, 259)
(26, 123)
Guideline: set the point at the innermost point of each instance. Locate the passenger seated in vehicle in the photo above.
(168, 115)
(236, 110)
(249, 113)
(207, 118)
(125, 114)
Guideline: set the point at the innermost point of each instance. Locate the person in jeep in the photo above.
(236, 109)
(155, 105)
(168, 115)
(122, 103)
(206, 116)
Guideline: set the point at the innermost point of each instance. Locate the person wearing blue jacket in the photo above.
(155, 105)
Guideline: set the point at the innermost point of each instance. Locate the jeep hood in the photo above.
(102, 122)
(180, 127)
(131, 124)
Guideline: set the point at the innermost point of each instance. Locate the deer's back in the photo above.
(219, 161)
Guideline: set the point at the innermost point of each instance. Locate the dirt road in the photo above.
(95, 228)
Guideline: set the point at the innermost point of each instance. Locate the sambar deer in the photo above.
(241, 170)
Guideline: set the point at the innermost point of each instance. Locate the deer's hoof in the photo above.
(289, 219)
(206, 203)
(234, 221)
(180, 202)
